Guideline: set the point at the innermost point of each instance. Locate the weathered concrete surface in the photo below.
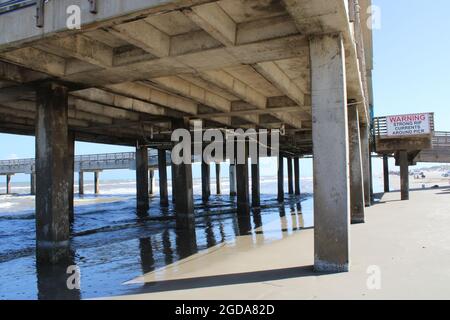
(356, 169)
(97, 182)
(290, 176)
(411, 249)
(162, 171)
(232, 178)
(386, 173)
(151, 182)
(331, 154)
(404, 175)
(256, 185)
(142, 197)
(280, 177)
(365, 154)
(218, 189)
(206, 181)
(297, 176)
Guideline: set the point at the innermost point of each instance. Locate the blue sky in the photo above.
(411, 74)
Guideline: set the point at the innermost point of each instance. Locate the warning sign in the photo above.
(408, 124)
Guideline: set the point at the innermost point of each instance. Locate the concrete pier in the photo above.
(52, 174)
(330, 148)
(404, 174)
(162, 171)
(386, 173)
(356, 170)
(280, 179)
(97, 182)
(243, 201)
(256, 193)
(233, 191)
(184, 204)
(297, 176)
(33, 183)
(218, 188)
(8, 184)
(151, 182)
(71, 173)
(142, 197)
(173, 181)
(365, 154)
(206, 181)
(290, 176)
(81, 183)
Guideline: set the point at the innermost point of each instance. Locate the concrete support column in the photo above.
(280, 178)
(162, 171)
(331, 154)
(52, 174)
(365, 153)
(81, 183)
(71, 167)
(232, 180)
(356, 169)
(218, 189)
(256, 193)
(206, 181)
(404, 174)
(386, 173)
(33, 183)
(290, 176)
(184, 205)
(97, 182)
(243, 201)
(151, 181)
(142, 198)
(174, 183)
(8, 184)
(297, 176)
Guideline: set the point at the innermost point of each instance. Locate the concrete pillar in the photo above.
(330, 148)
(256, 193)
(232, 180)
(8, 184)
(243, 203)
(151, 181)
(33, 183)
(297, 175)
(404, 174)
(280, 178)
(356, 170)
(218, 191)
(386, 173)
(290, 176)
(80, 183)
(365, 153)
(71, 167)
(97, 182)
(162, 171)
(174, 183)
(184, 205)
(52, 174)
(206, 181)
(142, 198)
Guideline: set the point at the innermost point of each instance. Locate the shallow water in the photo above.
(112, 245)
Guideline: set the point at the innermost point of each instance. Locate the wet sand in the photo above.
(408, 242)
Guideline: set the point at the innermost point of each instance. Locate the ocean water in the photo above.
(111, 244)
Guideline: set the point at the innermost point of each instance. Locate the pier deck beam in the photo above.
(232, 180)
(206, 181)
(97, 182)
(184, 204)
(365, 153)
(162, 172)
(33, 183)
(142, 197)
(404, 174)
(290, 176)
(52, 174)
(356, 169)
(297, 176)
(386, 173)
(81, 183)
(280, 178)
(331, 154)
(151, 181)
(8, 183)
(256, 192)
(218, 189)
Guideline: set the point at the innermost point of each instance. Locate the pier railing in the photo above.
(12, 5)
(441, 139)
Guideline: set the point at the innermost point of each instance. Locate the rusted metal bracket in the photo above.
(93, 6)
(40, 5)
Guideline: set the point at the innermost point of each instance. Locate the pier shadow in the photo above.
(227, 279)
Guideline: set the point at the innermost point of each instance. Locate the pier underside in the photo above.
(134, 73)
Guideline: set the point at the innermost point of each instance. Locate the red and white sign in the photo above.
(408, 124)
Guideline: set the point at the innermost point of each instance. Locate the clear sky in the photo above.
(411, 74)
